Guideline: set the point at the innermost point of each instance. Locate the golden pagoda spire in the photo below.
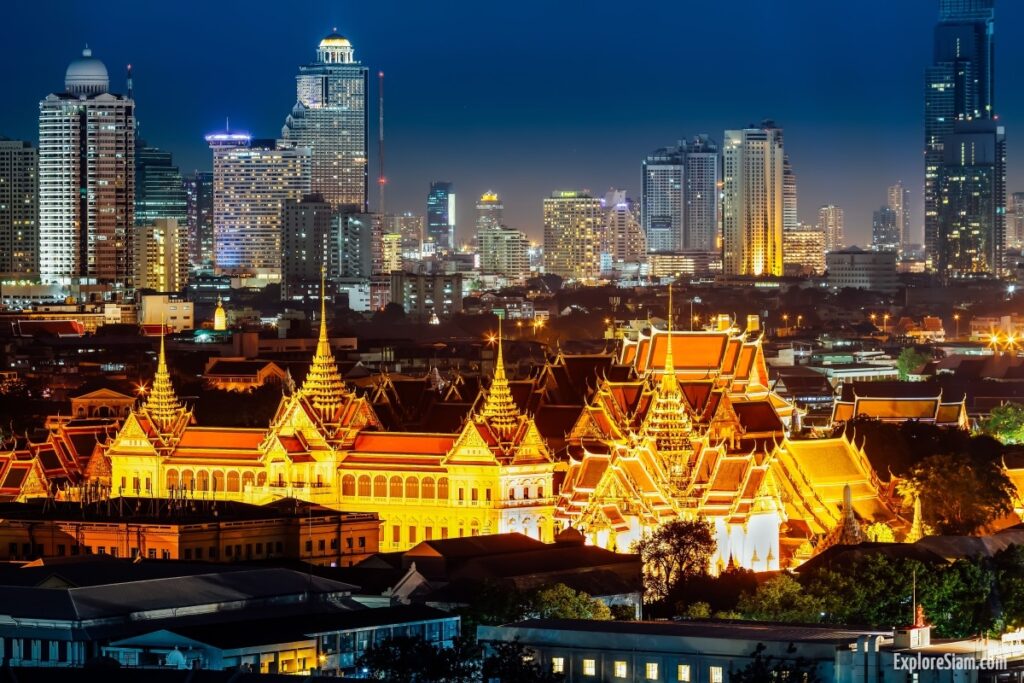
(668, 379)
(916, 532)
(499, 408)
(162, 404)
(323, 385)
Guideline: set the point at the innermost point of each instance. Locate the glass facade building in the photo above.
(441, 215)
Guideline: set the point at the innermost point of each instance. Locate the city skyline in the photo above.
(828, 108)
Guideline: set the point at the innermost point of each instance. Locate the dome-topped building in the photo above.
(335, 49)
(86, 76)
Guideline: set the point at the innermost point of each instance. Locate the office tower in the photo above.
(161, 255)
(959, 86)
(899, 202)
(790, 214)
(330, 118)
(441, 215)
(305, 229)
(19, 210)
(700, 195)
(971, 191)
(622, 239)
(752, 168)
(489, 211)
(504, 251)
(1017, 218)
(572, 221)
(427, 298)
(391, 252)
(199, 209)
(159, 190)
(830, 222)
(662, 198)
(885, 231)
(252, 180)
(351, 246)
(86, 179)
(803, 251)
(409, 226)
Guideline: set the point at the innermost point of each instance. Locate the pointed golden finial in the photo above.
(668, 379)
(162, 404)
(500, 408)
(323, 385)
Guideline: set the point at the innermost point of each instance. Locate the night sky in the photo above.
(527, 97)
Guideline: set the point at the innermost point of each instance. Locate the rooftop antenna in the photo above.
(227, 124)
(131, 87)
(381, 180)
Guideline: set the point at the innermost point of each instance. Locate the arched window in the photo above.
(187, 482)
(541, 523)
(380, 486)
(248, 479)
(202, 480)
(172, 479)
(427, 488)
(364, 486)
(395, 489)
(218, 481)
(474, 528)
(348, 485)
(540, 491)
(412, 487)
(442, 488)
(233, 486)
(261, 479)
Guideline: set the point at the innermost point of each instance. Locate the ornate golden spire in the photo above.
(916, 532)
(499, 408)
(323, 385)
(162, 405)
(668, 379)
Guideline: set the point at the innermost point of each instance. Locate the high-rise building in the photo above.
(1016, 227)
(330, 118)
(252, 180)
(885, 232)
(410, 227)
(159, 190)
(199, 209)
(899, 202)
(305, 230)
(489, 211)
(752, 170)
(700, 195)
(830, 222)
(971, 187)
(622, 244)
(504, 251)
(391, 252)
(19, 210)
(572, 221)
(790, 213)
(959, 86)
(427, 297)
(161, 255)
(86, 179)
(803, 251)
(352, 246)
(662, 198)
(441, 215)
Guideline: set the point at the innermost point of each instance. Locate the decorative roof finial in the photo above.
(323, 385)
(500, 408)
(162, 404)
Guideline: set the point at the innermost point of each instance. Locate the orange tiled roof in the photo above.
(403, 442)
(210, 438)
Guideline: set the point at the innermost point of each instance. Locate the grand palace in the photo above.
(672, 425)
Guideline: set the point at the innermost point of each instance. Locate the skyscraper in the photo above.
(899, 202)
(803, 251)
(572, 220)
(330, 118)
(441, 215)
(959, 86)
(199, 209)
(1017, 218)
(252, 180)
(503, 251)
(830, 222)
(161, 255)
(489, 211)
(971, 187)
(752, 170)
(790, 212)
(19, 210)
(622, 240)
(159, 190)
(885, 232)
(662, 198)
(305, 230)
(86, 179)
(700, 195)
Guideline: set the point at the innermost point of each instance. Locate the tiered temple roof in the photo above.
(899, 402)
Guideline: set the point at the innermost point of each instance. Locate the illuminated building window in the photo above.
(683, 674)
(715, 674)
(589, 667)
(557, 665)
(412, 534)
(396, 534)
(428, 533)
(651, 671)
(620, 669)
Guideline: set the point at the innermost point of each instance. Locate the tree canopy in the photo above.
(961, 494)
(910, 361)
(672, 553)
(1006, 423)
(763, 668)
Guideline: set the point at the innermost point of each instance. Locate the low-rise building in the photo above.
(176, 314)
(239, 374)
(858, 269)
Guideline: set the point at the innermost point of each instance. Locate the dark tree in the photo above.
(514, 663)
(961, 494)
(766, 668)
(414, 660)
(675, 551)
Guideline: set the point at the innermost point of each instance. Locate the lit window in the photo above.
(589, 667)
(557, 665)
(683, 673)
(715, 675)
(651, 669)
(620, 669)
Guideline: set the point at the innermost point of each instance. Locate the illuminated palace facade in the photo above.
(676, 425)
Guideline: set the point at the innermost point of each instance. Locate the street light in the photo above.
(956, 319)
(885, 320)
(798, 319)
